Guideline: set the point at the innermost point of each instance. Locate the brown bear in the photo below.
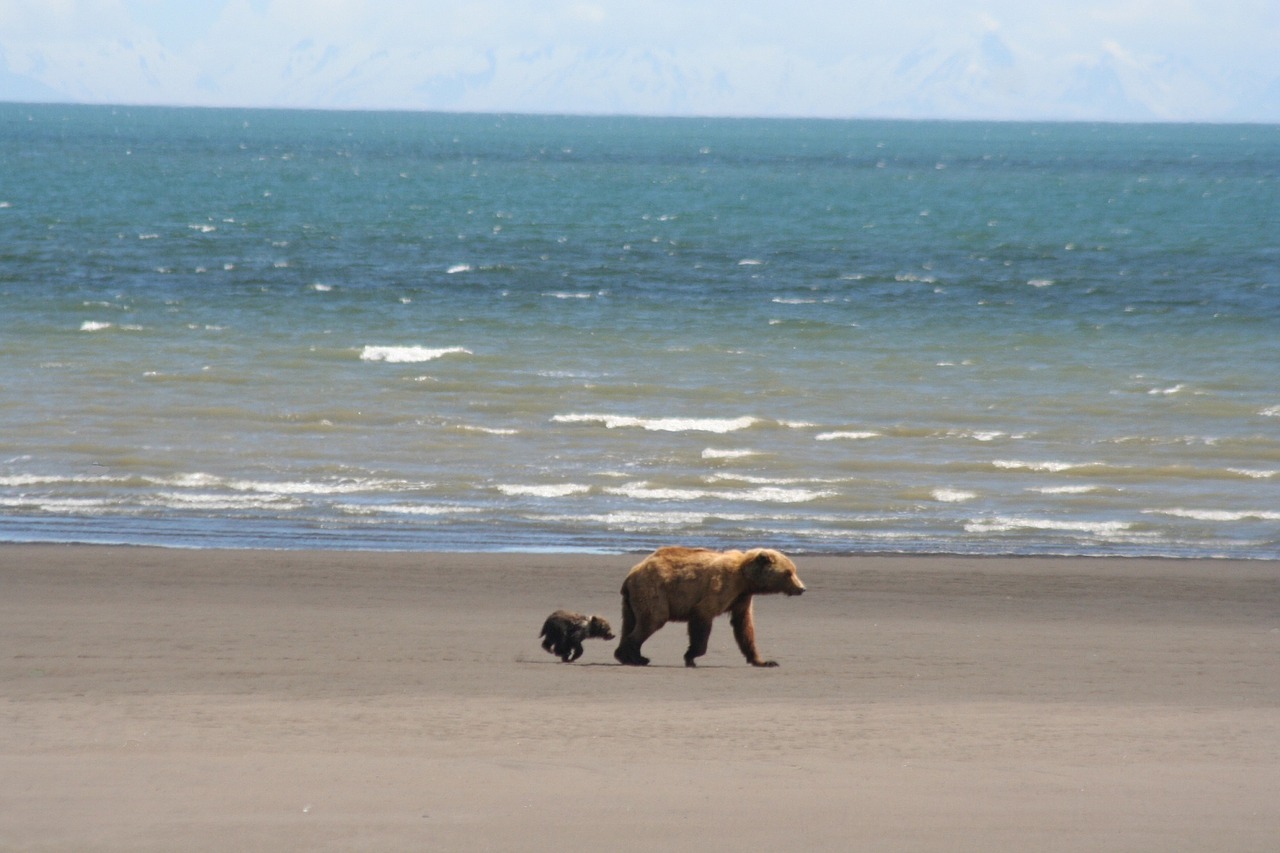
(565, 631)
(696, 585)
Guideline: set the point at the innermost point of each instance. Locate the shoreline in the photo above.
(568, 551)
(158, 698)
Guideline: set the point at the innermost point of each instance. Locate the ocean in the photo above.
(400, 331)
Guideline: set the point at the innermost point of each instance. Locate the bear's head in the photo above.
(598, 627)
(771, 571)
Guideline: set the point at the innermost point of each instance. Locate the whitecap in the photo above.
(976, 435)
(1041, 282)
(1007, 524)
(1064, 490)
(408, 355)
(457, 268)
(1174, 389)
(644, 491)
(1050, 467)
(718, 425)
(750, 262)
(94, 326)
(403, 509)
(489, 430)
(54, 479)
(568, 295)
(1217, 514)
(845, 434)
(713, 453)
(321, 288)
(953, 495)
(765, 494)
(554, 490)
(1254, 473)
(1271, 412)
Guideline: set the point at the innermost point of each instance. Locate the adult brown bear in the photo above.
(696, 585)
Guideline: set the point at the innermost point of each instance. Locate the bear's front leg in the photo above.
(699, 633)
(744, 631)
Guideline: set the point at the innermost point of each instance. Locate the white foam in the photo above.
(557, 490)
(750, 262)
(568, 295)
(1041, 282)
(275, 489)
(1006, 524)
(404, 509)
(94, 326)
(321, 288)
(1050, 467)
(1254, 473)
(490, 430)
(718, 425)
(1064, 490)
(1270, 412)
(845, 434)
(953, 495)
(631, 522)
(457, 268)
(1217, 514)
(713, 453)
(976, 435)
(53, 479)
(1174, 389)
(763, 481)
(408, 355)
(764, 494)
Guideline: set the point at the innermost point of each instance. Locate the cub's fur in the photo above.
(565, 631)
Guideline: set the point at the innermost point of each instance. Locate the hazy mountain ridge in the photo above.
(953, 76)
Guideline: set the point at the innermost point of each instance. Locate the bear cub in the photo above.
(565, 631)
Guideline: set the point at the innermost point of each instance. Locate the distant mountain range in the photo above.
(955, 76)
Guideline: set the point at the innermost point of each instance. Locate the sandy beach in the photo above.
(215, 700)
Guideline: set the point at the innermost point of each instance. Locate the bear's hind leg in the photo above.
(629, 649)
(630, 639)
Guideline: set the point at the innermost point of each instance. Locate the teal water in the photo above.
(368, 330)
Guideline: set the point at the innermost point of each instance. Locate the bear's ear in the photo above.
(759, 563)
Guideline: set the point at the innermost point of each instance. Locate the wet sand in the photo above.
(211, 700)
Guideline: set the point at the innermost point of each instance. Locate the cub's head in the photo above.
(598, 627)
(771, 571)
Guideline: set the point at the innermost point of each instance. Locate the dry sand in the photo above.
(235, 700)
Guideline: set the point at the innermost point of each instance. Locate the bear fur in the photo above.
(565, 631)
(696, 585)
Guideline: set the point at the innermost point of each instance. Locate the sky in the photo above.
(1112, 60)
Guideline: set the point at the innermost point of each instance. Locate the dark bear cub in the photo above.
(565, 631)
